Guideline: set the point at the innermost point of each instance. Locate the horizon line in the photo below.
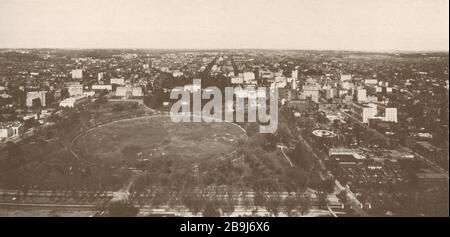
(225, 49)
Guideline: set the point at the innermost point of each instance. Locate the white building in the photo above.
(370, 81)
(77, 74)
(100, 76)
(311, 91)
(102, 87)
(177, 73)
(347, 85)
(74, 101)
(237, 80)
(36, 95)
(294, 74)
(75, 89)
(361, 95)
(10, 129)
(365, 112)
(249, 77)
(294, 83)
(388, 114)
(117, 81)
(346, 77)
(129, 91)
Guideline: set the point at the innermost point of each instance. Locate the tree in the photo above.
(302, 156)
(158, 199)
(343, 197)
(289, 204)
(227, 207)
(211, 209)
(259, 199)
(270, 142)
(193, 202)
(273, 205)
(284, 134)
(326, 185)
(322, 200)
(122, 209)
(304, 204)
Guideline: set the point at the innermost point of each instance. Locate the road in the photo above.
(354, 202)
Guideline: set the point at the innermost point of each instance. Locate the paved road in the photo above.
(354, 202)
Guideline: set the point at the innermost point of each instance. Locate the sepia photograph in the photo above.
(224, 108)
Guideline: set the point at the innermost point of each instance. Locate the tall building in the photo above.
(294, 74)
(388, 114)
(77, 74)
(360, 95)
(294, 83)
(364, 112)
(100, 76)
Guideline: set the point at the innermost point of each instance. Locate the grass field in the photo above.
(141, 139)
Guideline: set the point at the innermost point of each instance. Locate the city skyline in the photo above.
(415, 25)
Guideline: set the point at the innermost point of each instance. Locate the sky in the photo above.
(363, 25)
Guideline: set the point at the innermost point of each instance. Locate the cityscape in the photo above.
(89, 132)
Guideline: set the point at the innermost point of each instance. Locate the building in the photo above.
(117, 81)
(75, 89)
(36, 98)
(364, 112)
(249, 77)
(330, 93)
(294, 74)
(368, 111)
(388, 114)
(346, 85)
(345, 157)
(74, 101)
(370, 81)
(346, 77)
(360, 95)
(177, 73)
(11, 129)
(102, 87)
(100, 76)
(294, 83)
(129, 91)
(312, 92)
(77, 74)
(301, 105)
(237, 80)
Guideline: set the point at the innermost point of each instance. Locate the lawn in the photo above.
(140, 139)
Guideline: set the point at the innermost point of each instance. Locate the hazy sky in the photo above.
(291, 24)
